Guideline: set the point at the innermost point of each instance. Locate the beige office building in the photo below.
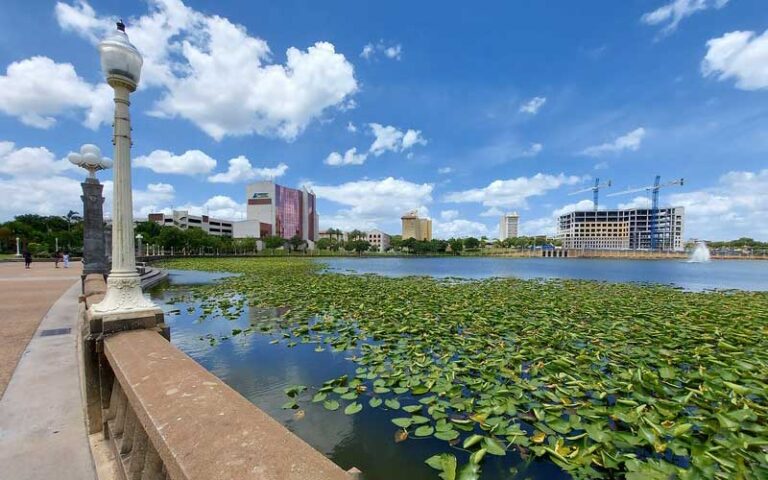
(415, 227)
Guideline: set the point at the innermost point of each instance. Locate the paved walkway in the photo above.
(42, 429)
(25, 297)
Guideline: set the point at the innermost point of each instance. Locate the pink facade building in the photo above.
(280, 211)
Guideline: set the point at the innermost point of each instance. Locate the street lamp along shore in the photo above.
(121, 64)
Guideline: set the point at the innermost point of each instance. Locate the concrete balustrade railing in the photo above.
(166, 417)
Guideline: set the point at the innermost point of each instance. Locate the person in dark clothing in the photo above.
(27, 258)
(57, 258)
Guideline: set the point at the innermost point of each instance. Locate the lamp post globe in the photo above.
(90, 159)
(121, 63)
(119, 58)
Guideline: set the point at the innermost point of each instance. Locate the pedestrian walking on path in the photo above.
(57, 258)
(27, 259)
(66, 259)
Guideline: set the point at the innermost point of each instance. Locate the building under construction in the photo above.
(629, 229)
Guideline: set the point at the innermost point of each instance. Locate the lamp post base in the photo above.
(124, 299)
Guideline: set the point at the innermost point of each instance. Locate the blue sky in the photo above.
(459, 111)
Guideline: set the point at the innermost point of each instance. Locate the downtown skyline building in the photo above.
(275, 210)
(623, 229)
(416, 227)
(508, 225)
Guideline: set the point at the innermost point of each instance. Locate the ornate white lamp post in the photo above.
(94, 255)
(121, 63)
(90, 159)
(18, 247)
(139, 238)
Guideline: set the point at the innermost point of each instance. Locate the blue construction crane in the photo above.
(594, 189)
(654, 189)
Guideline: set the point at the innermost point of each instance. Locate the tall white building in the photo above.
(508, 225)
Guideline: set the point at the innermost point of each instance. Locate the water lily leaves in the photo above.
(478, 456)
(424, 431)
(445, 463)
(294, 390)
(417, 419)
(470, 471)
(609, 380)
(741, 390)
(331, 405)
(538, 437)
(349, 395)
(319, 397)
(402, 422)
(493, 446)
(419, 390)
(595, 433)
(353, 408)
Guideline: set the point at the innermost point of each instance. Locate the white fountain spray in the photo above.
(700, 253)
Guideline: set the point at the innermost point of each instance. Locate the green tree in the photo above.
(456, 245)
(296, 243)
(72, 217)
(172, 238)
(324, 244)
(396, 242)
(273, 242)
(358, 246)
(471, 243)
(409, 244)
(356, 235)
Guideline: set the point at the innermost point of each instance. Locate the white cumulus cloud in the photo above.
(513, 192)
(30, 161)
(214, 74)
(367, 203)
(739, 56)
(350, 157)
(630, 141)
(37, 90)
(675, 11)
(391, 139)
(392, 51)
(241, 170)
(191, 162)
(533, 105)
(739, 202)
(460, 228)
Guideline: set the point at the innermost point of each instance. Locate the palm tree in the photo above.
(70, 217)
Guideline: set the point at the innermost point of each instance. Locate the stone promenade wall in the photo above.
(166, 417)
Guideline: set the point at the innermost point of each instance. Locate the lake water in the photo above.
(718, 274)
(260, 371)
